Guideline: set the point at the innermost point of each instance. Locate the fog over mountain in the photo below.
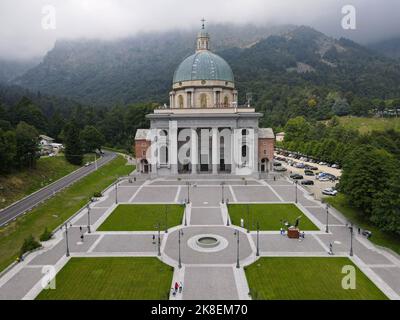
(23, 37)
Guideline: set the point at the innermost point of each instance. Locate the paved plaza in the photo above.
(205, 274)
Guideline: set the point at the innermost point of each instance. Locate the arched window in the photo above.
(203, 100)
(245, 132)
(180, 101)
(226, 101)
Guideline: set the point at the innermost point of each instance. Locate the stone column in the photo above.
(214, 150)
(194, 150)
(173, 146)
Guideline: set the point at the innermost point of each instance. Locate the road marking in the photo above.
(94, 245)
(233, 193)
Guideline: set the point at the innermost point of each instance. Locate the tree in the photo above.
(8, 150)
(27, 144)
(73, 144)
(91, 139)
(297, 129)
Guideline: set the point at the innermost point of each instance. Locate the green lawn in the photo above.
(269, 215)
(57, 209)
(142, 217)
(304, 278)
(378, 237)
(16, 185)
(365, 125)
(111, 279)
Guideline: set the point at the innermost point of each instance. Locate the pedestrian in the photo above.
(154, 239)
(359, 230)
(82, 237)
(180, 286)
(330, 248)
(176, 286)
(303, 235)
(274, 178)
(80, 229)
(281, 231)
(173, 292)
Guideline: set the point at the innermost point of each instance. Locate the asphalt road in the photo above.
(18, 208)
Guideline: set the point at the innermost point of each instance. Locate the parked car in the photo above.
(335, 166)
(308, 172)
(367, 233)
(277, 164)
(280, 169)
(296, 176)
(307, 182)
(87, 164)
(329, 192)
(300, 165)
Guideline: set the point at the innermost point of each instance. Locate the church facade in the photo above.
(203, 130)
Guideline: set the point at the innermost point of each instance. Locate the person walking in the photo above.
(180, 286)
(154, 239)
(330, 249)
(176, 286)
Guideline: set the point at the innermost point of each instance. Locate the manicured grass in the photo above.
(111, 279)
(379, 237)
(142, 217)
(305, 278)
(57, 209)
(16, 185)
(269, 215)
(365, 125)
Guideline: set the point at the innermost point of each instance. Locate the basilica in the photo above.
(204, 130)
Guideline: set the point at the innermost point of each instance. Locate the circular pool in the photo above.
(207, 242)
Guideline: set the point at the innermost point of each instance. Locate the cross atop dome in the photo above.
(203, 38)
(202, 23)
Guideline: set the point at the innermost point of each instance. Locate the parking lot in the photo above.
(318, 186)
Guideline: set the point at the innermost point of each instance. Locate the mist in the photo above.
(22, 35)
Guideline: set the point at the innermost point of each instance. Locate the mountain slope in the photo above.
(141, 68)
(389, 48)
(128, 70)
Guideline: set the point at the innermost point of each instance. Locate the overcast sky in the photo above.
(22, 35)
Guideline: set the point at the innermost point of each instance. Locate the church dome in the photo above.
(203, 65)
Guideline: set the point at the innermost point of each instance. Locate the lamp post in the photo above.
(327, 218)
(116, 191)
(158, 226)
(185, 207)
(180, 233)
(188, 191)
(166, 219)
(66, 238)
(295, 187)
(258, 240)
(351, 240)
(88, 217)
(248, 219)
(236, 233)
(222, 191)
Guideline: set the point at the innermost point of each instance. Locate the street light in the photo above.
(248, 219)
(88, 217)
(180, 233)
(66, 238)
(116, 191)
(158, 226)
(351, 240)
(184, 212)
(258, 240)
(327, 218)
(166, 219)
(236, 233)
(295, 186)
(222, 191)
(188, 191)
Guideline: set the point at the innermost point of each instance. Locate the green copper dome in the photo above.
(203, 65)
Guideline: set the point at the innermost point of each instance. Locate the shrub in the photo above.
(46, 235)
(29, 244)
(97, 194)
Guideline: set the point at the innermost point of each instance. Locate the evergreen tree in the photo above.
(73, 144)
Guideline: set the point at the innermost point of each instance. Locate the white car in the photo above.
(329, 192)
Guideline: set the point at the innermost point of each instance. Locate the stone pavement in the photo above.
(206, 274)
